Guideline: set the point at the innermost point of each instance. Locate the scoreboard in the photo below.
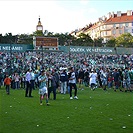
(47, 41)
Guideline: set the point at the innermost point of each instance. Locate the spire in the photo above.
(39, 22)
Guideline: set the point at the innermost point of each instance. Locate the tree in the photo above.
(125, 40)
(98, 42)
(8, 38)
(38, 33)
(25, 39)
(111, 42)
(84, 40)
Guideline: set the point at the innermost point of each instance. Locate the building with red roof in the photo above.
(112, 25)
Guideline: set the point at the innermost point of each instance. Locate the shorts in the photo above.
(43, 91)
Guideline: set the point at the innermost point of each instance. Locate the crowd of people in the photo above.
(61, 71)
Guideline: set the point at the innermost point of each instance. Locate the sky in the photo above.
(57, 16)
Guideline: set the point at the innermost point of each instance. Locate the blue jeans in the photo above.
(110, 84)
(7, 89)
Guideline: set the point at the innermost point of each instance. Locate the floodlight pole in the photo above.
(42, 52)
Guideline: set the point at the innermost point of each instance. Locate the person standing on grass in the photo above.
(93, 79)
(56, 78)
(80, 79)
(32, 80)
(7, 82)
(1, 79)
(63, 79)
(17, 81)
(104, 78)
(43, 90)
(72, 83)
(116, 77)
(28, 84)
(52, 85)
(86, 77)
(126, 80)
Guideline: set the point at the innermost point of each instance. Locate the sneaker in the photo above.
(41, 104)
(93, 88)
(75, 97)
(71, 98)
(48, 104)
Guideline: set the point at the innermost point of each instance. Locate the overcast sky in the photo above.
(58, 16)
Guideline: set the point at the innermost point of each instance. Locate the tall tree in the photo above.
(125, 40)
(84, 39)
(111, 42)
(98, 42)
(38, 33)
(25, 39)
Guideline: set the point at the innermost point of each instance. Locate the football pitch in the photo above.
(94, 112)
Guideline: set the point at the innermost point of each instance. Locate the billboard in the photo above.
(15, 47)
(96, 50)
(47, 41)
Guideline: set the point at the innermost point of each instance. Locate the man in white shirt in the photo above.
(93, 79)
(72, 83)
(28, 83)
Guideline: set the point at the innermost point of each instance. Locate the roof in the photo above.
(121, 19)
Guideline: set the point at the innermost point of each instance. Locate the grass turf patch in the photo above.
(94, 112)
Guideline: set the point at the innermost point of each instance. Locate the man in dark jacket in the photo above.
(52, 85)
(116, 76)
(81, 78)
(63, 79)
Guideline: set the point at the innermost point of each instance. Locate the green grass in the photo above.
(94, 112)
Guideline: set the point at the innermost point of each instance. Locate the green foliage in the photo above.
(111, 42)
(125, 40)
(8, 38)
(25, 39)
(98, 42)
(84, 40)
(95, 112)
(38, 33)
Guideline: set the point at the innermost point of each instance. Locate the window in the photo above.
(105, 33)
(120, 31)
(126, 24)
(126, 30)
(114, 32)
(105, 26)
(120, 25)
(114, 25)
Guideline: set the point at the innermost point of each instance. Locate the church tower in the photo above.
(39, 27)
